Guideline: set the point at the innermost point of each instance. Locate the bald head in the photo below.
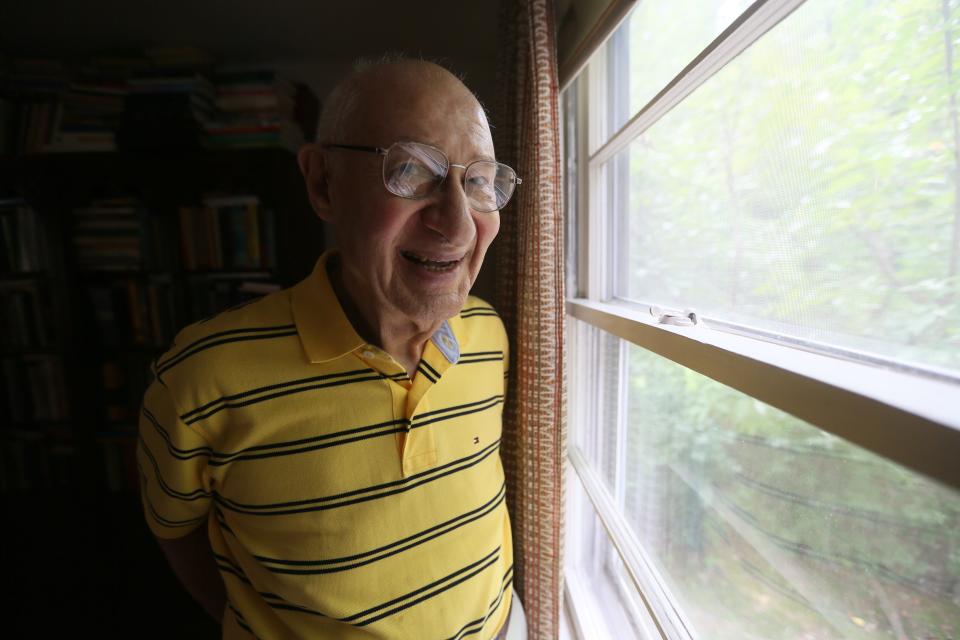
(388, 82)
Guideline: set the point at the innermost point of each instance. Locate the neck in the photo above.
(401, 337)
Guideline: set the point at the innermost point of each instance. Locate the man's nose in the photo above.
(452, 216)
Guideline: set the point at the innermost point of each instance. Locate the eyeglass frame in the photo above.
(381, 151)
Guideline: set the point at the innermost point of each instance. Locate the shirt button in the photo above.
(368, 354)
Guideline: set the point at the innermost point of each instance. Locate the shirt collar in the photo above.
(446, 342)
(324, 329)
(326, 333)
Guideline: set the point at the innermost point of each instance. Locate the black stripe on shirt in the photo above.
(166, 522)
(430, 369)
(424, 593)
(306, 445)
(167, 489)
(293, 447)
(241, 621)
(176, 452)
(469, 358)
(478, 311)
(426, 373)
(487, 404)
(476, 626)
(455, 408)
(280, 389)
(358, 560)
(219, 338)
(226, 564)
(373, 493)
(222, 520)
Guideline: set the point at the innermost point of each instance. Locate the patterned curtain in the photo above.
(530, 297)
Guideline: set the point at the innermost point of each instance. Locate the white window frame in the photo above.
(908, 415)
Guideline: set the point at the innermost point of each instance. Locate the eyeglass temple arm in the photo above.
(354, 147)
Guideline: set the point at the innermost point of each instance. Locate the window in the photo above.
(763, 239)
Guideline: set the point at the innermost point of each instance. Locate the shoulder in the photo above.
(215, 345)
(480, 324)
(478, 307)
(271, 309)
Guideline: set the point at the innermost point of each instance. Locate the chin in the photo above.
(434, 308)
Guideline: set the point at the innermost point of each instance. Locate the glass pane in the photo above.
(812, 186)
(766, 527)
(570, 176)
(595, 400)
(652, 46)
(597, 573)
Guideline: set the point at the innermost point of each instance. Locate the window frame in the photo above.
(908, 415)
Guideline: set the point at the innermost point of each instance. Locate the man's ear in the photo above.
(316, 175)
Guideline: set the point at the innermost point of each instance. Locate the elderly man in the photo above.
(324, 462)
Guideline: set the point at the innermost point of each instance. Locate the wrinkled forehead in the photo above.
(428, 107)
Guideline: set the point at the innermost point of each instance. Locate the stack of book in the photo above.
(117, 234)
(257, 108)
(130, 311)
(166, 110)
(88, 116)
(24, 315)
(31, 103)
(230, 232)
(21, 237)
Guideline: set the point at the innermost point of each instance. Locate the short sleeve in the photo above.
(506, 363)
(172, 459)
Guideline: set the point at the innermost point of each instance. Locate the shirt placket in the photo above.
(419, 448)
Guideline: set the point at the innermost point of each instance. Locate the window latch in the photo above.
(685, 318)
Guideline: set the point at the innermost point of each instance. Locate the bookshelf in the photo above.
(68, 471)
(128, 209)
(119, 304)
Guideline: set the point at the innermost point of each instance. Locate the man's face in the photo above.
(413, 259)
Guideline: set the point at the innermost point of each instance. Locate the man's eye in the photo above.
(410, 178)
(411, 170)
(479, 182)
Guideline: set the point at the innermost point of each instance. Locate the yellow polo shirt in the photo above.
(342, 499)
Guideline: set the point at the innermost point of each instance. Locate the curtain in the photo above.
(530, 298)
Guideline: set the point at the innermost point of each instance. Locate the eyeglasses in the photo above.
(415, 170)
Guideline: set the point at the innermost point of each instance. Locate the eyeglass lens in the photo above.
(412, 170)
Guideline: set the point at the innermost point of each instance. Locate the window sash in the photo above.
(908, 419)
(911, 419)
(759, 18)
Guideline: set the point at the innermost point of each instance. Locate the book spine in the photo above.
(268, 238)
(216, 241)
(133, 306)
(253, 236)
(154, 305)
(238, 237)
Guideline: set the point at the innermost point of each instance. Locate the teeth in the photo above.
(429, 265)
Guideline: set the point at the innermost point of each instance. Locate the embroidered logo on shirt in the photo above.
(447, 343)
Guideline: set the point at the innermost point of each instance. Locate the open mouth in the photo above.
(428, 264)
